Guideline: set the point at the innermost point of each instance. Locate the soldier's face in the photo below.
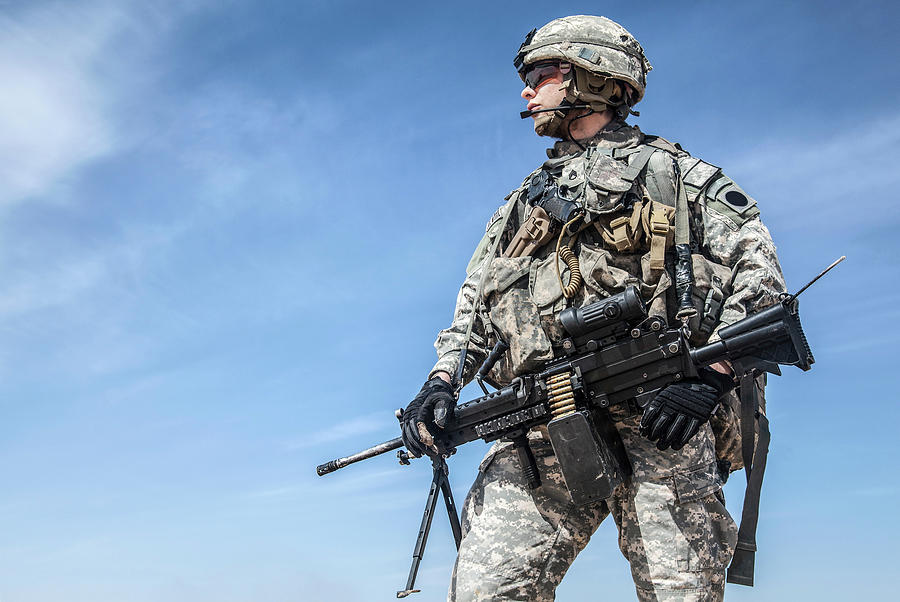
(544, 86)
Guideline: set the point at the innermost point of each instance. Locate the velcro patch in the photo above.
(697, 173)
(727, 198)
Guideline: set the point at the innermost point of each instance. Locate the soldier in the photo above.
(648, 215)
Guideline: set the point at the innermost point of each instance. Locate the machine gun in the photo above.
(614, 353)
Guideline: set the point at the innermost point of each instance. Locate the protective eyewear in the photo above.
(543, 72)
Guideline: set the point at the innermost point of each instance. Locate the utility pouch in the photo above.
(514, 315)
(712, 286)
(712, 306)
(587, 459)
(624, 232)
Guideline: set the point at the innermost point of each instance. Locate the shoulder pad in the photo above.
(696, 173)
(728, 199)
(498, 215)
(490, 232)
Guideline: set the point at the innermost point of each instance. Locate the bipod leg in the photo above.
(439, 482)
(452, 514)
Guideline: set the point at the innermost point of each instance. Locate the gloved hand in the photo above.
(680, 409)
(425, 416)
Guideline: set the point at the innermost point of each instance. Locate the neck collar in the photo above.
(616, 134)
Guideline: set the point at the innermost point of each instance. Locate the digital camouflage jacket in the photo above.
(628, 183)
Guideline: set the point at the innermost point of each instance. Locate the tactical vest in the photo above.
(629, 196)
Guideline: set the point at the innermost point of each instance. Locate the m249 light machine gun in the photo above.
(614, 353)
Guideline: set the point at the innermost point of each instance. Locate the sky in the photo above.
(229, 232)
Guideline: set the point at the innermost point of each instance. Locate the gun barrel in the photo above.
(375, 450)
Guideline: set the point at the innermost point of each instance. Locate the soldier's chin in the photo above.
(543, 124)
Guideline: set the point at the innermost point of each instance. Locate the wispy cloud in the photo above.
(65, 67)
(372, 488)
(361, 425)
(819, 179)
(52, 107)
(286, 491)
(69, 100)
(57, 283)
(52, 288)
(860, 343)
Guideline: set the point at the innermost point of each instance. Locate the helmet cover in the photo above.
(599, 48)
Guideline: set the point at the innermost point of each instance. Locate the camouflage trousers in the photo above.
(673, 527)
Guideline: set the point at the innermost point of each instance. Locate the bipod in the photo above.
(440, 482)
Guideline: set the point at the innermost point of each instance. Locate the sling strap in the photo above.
(754, 455)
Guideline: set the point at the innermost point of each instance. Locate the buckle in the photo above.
(659, 227)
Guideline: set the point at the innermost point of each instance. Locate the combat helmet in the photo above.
(604, 55)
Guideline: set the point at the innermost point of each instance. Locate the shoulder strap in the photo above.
(658, 180)
(476, 303)
(662, 144)
(637, 165)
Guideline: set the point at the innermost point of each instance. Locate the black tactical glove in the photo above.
(425, 416)
(680, 409)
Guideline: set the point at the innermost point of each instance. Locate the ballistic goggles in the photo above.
(541, 72)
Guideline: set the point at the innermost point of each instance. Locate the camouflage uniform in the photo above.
(673, 527)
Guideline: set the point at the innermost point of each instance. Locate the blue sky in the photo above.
(229, 232)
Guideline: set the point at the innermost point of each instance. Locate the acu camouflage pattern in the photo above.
(674, 530)
(673, 527)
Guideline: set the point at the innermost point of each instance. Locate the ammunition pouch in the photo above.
(590, 455)
(648, 221)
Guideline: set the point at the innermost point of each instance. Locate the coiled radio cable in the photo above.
(564, 253)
